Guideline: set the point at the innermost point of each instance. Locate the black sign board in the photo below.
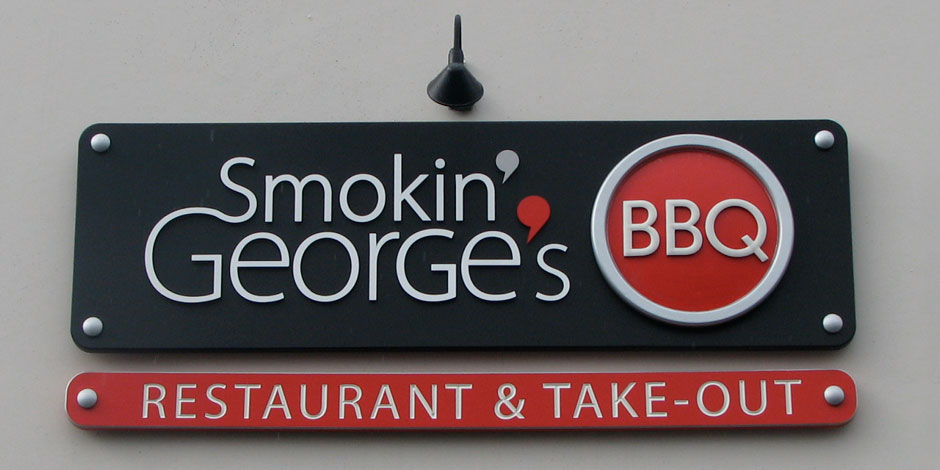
(463, 235)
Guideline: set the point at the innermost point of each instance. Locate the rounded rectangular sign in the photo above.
(461, 401)
(729, 234)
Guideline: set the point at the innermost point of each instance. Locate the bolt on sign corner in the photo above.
(725, 234)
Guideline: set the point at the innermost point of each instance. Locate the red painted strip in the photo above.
(461, 401)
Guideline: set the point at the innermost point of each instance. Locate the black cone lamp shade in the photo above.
(455, 86)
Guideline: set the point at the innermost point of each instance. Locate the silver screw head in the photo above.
(834, 395)
(92, 326)
(825, 140)
(87, 398)
(100, 143)
(832, 323)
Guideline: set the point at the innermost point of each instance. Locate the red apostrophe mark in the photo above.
(533, 212)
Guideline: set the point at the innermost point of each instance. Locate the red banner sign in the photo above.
(461, 401)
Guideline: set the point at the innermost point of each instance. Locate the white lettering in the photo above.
(556, 389)
(753, 246)
(629, 227)
(354, 402)
(237, 263)
(385, 393)
(247, 388)
(450, 269)
(587, 391)
(299, 185)
(154, 401)
(439, 197)
(621, 400)
(458, 397)
(277, 393)
(180, 400)
(374, 247)
(353, 266)
(688, 226)
(650, 399)
(379, 196)
(223, 408)
(700, 398)
(415, 395)
(466, 262)
(399, 196)
(565, 282)
(215, 259)
(763, 399)
(787, 392)
(462, 182)
(303, 402)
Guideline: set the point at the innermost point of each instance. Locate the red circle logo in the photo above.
(692, 229)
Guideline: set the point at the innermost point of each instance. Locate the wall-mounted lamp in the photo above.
(455, 86)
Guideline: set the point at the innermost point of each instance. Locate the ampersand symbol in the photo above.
(506, 393)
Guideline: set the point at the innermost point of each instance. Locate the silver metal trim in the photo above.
(834, 395)
(824, 140)
(86, 398)
(100, 143)
(92, 326)
(778, 197)
(832, 323)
